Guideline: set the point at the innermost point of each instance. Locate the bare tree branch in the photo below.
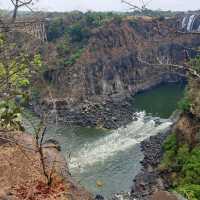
(135, 7)
(18, 4)
(185, 66)
(131, 5)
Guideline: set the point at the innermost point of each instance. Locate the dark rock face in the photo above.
(149, 180)
(187, 129)
(127, 57)
(108, 113)
(99, 197)
(121, 59)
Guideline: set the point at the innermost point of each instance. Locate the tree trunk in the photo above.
(14, 14)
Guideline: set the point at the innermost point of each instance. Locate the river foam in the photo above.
(118, 141)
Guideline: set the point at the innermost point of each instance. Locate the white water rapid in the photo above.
(118, 141)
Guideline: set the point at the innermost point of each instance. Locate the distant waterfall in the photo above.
(184, 22)
(190, 23)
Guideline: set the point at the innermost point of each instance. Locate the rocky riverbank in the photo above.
(150, 184)
(148, 181)
(109, 113)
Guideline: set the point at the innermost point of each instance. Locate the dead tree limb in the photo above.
(18, 4)
(134, 7)
(185, 66)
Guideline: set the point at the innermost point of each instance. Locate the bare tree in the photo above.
(133, 6)
(18, 4)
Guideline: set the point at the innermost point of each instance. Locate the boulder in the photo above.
(163, 195)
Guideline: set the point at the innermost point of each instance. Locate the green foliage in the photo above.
(96, 19)
(78, 33)
(170, 142)
(55, 29)
(17, 70)
(184, 104)
(63, 48)
(185, 164)
(181, 157)
(191, 167)
(74, 57)
(170, 147)
(195, 63)
(10, 116)
(77, 25)
(190, 191)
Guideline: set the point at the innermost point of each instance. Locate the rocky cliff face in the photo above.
(125, 57)
(122, 58)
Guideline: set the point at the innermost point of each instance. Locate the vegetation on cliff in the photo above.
(30, 167)
(17, 70)
(183, 164)
(181, 159)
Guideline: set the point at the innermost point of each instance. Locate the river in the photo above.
(105, 162)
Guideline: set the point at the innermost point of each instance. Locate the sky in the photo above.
(107, 5)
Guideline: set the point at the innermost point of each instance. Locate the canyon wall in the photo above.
(125, 57)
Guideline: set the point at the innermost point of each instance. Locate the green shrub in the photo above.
(184, 105)
(170, 147)
(195, 63)
(190, 191)
(182, 156)
(10, 116)
(63, 49)
(78, 33)
(55, 29)
(74, 57)
(191, 167)
(184, 165)
(96, 19)
(170, 142)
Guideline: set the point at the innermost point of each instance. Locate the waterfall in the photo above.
(184, 22)
(198, 29)
(118, 141)
(190, 23)
(54, 110)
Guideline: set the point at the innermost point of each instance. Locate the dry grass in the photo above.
(22, 178)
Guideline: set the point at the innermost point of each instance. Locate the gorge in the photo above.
(108, 92)
(120, 59)
(113, 157)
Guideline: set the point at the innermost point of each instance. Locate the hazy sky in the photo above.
(104, 5)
